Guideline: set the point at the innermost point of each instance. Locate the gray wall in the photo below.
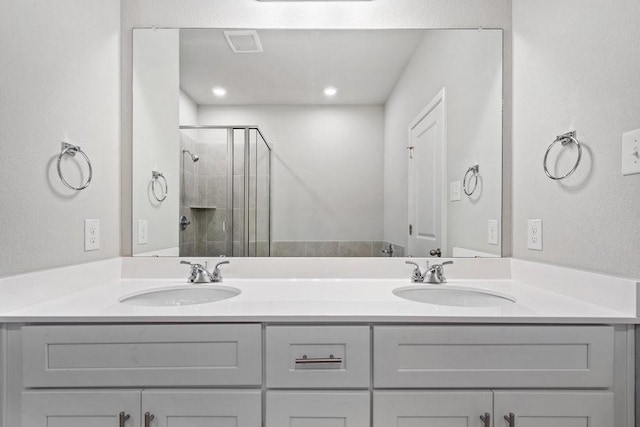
(60, 81)
(577, 66)
(157, 147)
(326, 170)
(469, 66)
(253, 14)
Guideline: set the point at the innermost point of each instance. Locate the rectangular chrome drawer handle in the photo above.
(304, 360)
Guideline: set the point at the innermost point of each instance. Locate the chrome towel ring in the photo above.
(155, 179)
(473, 170)
(564, 139)
(71, 150)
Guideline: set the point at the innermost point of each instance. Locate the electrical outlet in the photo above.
(91, 234)
(454, 191)
(631, 152)
(534, 234)
(143, 232)
(492, 231)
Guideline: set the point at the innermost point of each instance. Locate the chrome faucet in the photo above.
(433, 274)
(388, 251)
(200, 274)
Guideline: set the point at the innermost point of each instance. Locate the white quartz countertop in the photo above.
(316, 300)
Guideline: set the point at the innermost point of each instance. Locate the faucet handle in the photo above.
(216, 275)
(417, 276)
(220, 263)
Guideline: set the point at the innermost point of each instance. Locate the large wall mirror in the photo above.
(317, 142)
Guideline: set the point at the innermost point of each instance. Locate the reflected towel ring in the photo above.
(567, 138)
(155, 178)
(474, 170)
(72, 150)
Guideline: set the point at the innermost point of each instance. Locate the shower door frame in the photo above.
(230, 179)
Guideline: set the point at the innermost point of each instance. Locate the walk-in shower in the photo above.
(225, 191)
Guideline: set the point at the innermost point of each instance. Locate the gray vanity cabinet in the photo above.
(308, 372)
(81, 408)
(437, 408)
(553, 408)
(148, 408)
(445, 408)
(318, 409)
(200, 408)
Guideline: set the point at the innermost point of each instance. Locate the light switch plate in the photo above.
(91, 234)
(454, 191)
(143, 232)
(492, 232)
(534, 234)
(631, 152)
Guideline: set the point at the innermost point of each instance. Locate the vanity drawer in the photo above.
(493, 356)
(318, 356)
(142, 355)
(318, 409)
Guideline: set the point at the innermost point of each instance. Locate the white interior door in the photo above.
(427, 168)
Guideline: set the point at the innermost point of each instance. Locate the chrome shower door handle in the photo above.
(486, 419)
(511, 419)
(123, 418)
(148, 417)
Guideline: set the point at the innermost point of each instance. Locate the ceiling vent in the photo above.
(244, 41)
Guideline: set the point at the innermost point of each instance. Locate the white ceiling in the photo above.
(296, 65)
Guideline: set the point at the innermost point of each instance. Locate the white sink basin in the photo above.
(180, 295)
(459, 296)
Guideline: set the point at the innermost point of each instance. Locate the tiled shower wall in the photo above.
(203, 195)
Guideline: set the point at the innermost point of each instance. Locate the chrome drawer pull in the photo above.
(511, 419)
(318, 360)
(486, 419)
(148, 417)
(123, 418)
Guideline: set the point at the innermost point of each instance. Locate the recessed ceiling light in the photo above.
(219, 91)
(330, 91)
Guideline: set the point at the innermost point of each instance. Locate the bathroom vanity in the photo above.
(325, 352)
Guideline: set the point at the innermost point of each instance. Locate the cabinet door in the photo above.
(81, 408)
(318, 409)
(432, 408)
(554, 409)
(202, 408)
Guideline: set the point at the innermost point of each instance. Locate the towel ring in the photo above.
(155, 178)
(72, 150)
(474, 170)
(567, 138)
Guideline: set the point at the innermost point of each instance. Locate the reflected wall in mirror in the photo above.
(317, 142)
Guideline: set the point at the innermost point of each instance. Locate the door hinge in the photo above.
(410, 230)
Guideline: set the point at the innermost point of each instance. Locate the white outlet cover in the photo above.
(454, 191)
(143, 232)
(492, 232)
(534, 234)
(91, 234)
(631, 152)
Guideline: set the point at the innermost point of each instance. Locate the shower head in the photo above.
(193, 156)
